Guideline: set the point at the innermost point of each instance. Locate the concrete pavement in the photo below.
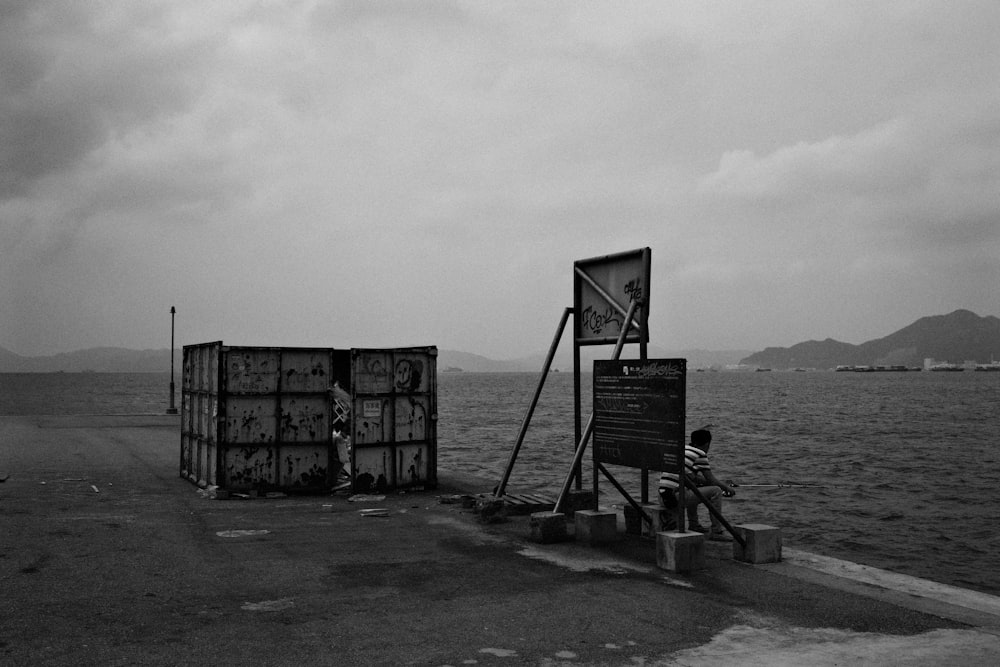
(107, 557)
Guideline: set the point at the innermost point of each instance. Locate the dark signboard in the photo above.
(639, 407)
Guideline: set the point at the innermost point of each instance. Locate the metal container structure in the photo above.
(260, 418)
(200, 429)
(394, 418)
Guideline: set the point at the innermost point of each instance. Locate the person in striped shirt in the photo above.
(697, 468)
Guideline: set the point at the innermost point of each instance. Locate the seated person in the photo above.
(698, 470)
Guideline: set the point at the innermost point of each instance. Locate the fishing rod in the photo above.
(775, 486)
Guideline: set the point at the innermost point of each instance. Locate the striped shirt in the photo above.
(695, 462)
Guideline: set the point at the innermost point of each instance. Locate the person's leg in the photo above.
(713, 495)
(691, 502)
(668, 509)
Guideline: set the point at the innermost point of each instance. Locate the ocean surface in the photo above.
(895, 470)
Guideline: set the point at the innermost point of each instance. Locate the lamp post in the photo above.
(172, 410)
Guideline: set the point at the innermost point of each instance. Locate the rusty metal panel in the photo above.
(251, 370)
(305, 466)
(249, 467)
(188, 444)
(305, 418)
(394, 418)
(372, 372)
(373, 469)
(199, 427)
(251, 419)
(372, 420)
(412, 465)
(306, 370)
(411, 417)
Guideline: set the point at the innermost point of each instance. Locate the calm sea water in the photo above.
(894, 470)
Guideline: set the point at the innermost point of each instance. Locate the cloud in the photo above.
(322, 170)
(64, 92)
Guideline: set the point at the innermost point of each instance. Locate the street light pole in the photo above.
(172, 410)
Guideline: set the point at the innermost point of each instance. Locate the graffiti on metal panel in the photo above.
(633, 289)
(374, 375)
(409, 373)
(670, 370)
(411, 422)
(597, 320)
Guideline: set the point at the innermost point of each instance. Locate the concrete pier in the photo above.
(107, 557)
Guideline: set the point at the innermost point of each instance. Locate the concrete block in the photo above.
(763, 544)
(635, 525)
(490, 509)
(548, 527)
(657, 512)
(596, 526)
(680, 552)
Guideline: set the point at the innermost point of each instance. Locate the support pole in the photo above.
(582, 446)
(716, 513)
(645, 517)
(502, 486)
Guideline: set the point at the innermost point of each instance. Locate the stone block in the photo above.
(490, 509)
(596, 526)
(680, 552)
(635, 525)
(547, 527)
(763, 544)
(661, 523)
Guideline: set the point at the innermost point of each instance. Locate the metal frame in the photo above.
(638, 326)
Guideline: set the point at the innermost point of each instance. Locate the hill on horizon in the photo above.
(124, 360)
(955, 338)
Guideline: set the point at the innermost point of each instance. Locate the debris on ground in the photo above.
(364, 498)
(241, 533)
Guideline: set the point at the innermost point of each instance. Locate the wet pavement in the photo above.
(108, 557)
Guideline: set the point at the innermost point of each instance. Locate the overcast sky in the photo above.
(364, 174)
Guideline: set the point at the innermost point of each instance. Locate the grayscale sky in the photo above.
(388, 174)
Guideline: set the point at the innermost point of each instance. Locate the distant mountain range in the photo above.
(123, 360)
(97, 359)
(957, 337)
